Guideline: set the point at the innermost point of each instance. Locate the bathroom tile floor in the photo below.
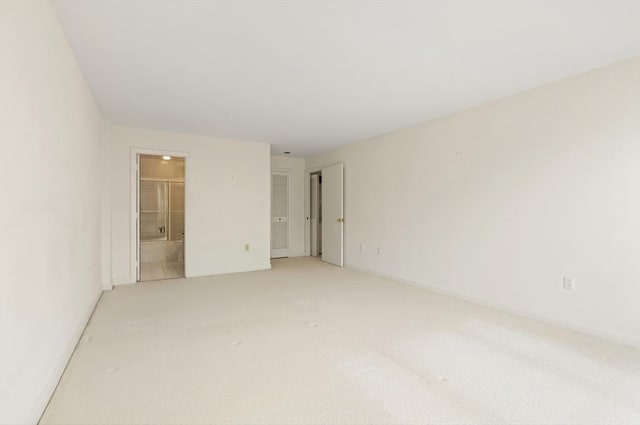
(158, 270)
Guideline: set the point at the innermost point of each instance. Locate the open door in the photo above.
(332, 214)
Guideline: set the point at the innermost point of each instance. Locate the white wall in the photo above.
(105, 210)
(499, 202)
(295, 166)
(227, 201)
(50, 131)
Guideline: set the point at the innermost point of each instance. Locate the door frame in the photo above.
(288, 172)
(134, 204)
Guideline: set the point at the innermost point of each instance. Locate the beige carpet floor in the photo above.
(309, 343)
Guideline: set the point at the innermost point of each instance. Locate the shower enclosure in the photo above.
(161, 206)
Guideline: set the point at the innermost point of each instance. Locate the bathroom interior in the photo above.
(162, 217)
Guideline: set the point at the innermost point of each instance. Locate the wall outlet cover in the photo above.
(568, 283)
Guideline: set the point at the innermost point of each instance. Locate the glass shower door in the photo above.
(153, 211)
(176, 211)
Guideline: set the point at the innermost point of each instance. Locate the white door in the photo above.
(279, 214)
(332, 215)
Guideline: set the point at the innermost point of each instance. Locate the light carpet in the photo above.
(310, 343)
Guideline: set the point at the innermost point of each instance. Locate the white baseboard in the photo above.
(124, 281)
(228, 270)
(211, 272)
(595, 332)
(52, 382)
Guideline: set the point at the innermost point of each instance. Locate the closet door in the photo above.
(279, 214)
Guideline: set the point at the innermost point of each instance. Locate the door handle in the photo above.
(340, 220)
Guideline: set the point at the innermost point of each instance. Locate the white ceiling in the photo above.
(310, 76)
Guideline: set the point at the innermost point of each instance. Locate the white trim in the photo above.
(134, 242)
(594, 332)
(123, 282)
(229, 270)
(41, 403)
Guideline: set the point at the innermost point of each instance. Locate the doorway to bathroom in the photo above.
(161, 217)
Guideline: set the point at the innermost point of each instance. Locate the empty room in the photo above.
(320, 212)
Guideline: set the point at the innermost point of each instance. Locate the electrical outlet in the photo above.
(246, 247)
(362, 248)
(568, 283)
